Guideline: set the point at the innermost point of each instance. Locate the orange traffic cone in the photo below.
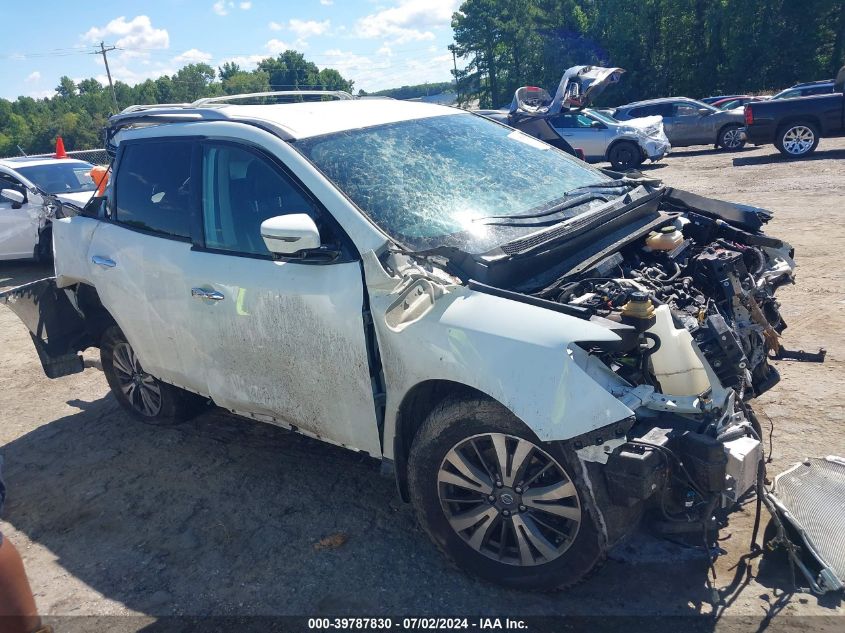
(60, 148)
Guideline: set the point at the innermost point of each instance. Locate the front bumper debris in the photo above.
(810, 497)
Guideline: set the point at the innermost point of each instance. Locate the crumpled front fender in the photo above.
(523, 356)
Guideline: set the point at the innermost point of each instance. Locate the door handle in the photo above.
(105, 262)
(202, 293)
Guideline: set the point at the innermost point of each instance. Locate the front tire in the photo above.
(730, 138)
(498, 502)
(625, 155)
(142, 395)
(797, 140)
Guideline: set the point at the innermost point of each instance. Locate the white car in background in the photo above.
(27, 185)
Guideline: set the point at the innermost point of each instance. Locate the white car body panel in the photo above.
(521, 355)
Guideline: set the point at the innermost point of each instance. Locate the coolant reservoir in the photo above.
(676, 365)
(666, 239)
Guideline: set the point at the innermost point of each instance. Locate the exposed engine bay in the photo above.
(694, 300)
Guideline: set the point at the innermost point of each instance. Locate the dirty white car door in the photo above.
(283, 340)
(18, 223)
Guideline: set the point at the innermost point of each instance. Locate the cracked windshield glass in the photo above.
(455, 180)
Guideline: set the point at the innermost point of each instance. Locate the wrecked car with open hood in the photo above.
(565, 121)
(542, 352)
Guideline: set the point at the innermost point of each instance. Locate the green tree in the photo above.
(66, 87)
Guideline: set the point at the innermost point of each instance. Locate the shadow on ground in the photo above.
(220, 515)
(777, 157)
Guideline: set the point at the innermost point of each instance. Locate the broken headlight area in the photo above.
(694, 303)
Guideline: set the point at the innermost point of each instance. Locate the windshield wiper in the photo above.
(583, 194)
(553, 210)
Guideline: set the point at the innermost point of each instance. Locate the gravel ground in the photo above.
(221, 515)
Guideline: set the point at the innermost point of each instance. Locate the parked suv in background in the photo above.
(508, 329)
(806, 89)
(690, 122)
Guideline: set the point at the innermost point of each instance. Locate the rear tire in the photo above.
(535, 531)
(625, 155)
(798, 139)
(729, 138)
(143, 396)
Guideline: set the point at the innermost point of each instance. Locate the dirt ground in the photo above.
(220, 515)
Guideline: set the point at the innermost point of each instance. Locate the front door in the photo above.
(687, 126)
(280, 339)
(582, 132)
(18, 223)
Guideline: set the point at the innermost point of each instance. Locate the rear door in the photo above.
(283, 340)
(138, 256)
(577, 128)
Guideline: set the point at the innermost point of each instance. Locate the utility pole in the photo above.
(103, 50)
(455, 63)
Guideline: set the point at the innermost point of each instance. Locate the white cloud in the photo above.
(408, 21)
(41, 94)
(246, 62)
(192, 56)
(327, 3)
(275, 46)
(33, 77)
(275, 26)
(307, 28)
(137, 33)
(222, 7)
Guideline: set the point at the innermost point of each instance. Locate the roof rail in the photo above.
(152, 106)
(338, 94)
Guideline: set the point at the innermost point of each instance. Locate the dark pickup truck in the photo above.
(796, 125)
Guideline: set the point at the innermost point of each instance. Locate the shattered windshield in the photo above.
(437, 181)
(60, 177)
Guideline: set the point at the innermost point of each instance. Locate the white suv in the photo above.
(540, 352)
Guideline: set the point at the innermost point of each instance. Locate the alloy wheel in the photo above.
(798, 140)
(139, 387)
(732, 138)
(509, 499)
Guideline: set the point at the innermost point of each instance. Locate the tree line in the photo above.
(79, 111)
(692, 48)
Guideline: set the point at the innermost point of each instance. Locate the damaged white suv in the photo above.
(540, 350)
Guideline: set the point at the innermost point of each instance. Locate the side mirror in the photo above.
(597, 124)
(13, 196)
(704, 111)
(290, 234)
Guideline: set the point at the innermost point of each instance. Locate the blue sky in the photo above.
(377, 43)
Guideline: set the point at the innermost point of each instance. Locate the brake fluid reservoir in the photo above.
(676, 365)
(666, 239)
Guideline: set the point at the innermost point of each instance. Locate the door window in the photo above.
(685, 109)
(8, 182)
(240, 190)
(153, 188)
(572, 121)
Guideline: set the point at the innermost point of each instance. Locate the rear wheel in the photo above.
(797, 139)
(145, 397)
(499, 502)
(625, 155)
(730, 138)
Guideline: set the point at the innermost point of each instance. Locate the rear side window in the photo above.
(241, 189)
(153, 188)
